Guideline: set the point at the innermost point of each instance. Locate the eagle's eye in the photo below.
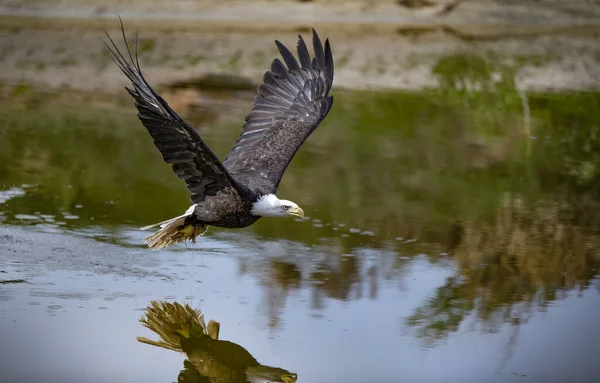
(285, 207)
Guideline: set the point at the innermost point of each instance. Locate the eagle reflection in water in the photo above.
(209, 359)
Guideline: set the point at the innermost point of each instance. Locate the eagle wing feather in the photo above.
(180, 145)
(291, 102)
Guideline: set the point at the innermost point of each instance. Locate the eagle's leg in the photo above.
(192, 230)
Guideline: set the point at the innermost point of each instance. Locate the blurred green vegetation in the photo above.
(480, 87)
(384, 170)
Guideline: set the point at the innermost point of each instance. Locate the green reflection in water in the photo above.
(454, 168)
(181, 328)
(378, 160)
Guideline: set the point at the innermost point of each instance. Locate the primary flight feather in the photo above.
(292, 101)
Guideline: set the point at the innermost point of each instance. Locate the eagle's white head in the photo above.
(271, 206)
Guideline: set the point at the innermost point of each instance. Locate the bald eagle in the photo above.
(292, 101)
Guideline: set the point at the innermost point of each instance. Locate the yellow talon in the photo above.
(188, 231)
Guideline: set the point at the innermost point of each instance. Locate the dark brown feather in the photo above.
(179, 144)
(291, 103)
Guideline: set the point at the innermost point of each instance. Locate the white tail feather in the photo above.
(162, 224)
(174, 231)
(168, 234)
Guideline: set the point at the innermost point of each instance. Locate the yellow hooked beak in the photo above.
(296, 212)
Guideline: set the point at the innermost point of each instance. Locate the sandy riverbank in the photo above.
(57, 43)
(424, 12)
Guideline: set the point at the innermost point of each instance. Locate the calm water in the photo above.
(448, 238)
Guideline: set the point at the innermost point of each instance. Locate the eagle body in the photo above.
(224, 211)
(291, 102)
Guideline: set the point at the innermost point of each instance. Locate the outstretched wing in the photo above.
(291, 103)
(179, 144)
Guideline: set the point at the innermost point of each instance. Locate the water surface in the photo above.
(450, 235)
